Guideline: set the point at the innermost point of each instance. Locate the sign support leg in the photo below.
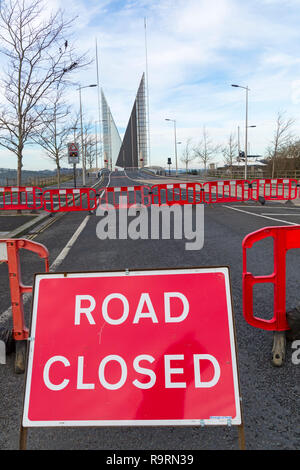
(23, 438)
(241, 432)
(279, 347)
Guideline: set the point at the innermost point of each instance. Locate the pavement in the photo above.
(270, 395)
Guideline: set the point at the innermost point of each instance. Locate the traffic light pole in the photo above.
(82, 148)
(74, 173)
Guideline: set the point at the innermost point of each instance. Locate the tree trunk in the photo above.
(58, 176)
(273, 167)
(19, 170)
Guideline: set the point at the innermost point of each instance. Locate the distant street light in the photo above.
(82, 153)
(175, 140)
(74, 164)
(246, 127)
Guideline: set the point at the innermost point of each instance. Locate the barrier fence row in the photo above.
(88, 199)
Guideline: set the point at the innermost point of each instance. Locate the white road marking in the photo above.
(267, 213)
(254, 206)
(260, 215)
(69, 245)
(106, 185)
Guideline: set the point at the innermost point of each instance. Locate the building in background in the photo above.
(132, 152)
(111, 138)
(141, 119)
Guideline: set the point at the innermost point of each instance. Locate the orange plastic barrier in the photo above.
(9, 253)
(285, 238)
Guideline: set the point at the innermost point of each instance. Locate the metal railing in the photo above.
(40, 181)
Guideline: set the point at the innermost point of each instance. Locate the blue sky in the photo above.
(196, 50)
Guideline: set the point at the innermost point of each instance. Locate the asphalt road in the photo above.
(270, 396)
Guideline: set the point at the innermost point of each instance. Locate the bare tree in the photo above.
(230, 151)
(188, 154)
(56, 128)
(281, 138)
(205, 151)
(39, 56)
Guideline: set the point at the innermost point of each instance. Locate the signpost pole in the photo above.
(23, 438)
(74, 173)
(73, 155)
(241, 433)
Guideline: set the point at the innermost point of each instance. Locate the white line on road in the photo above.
(260, 215)
(106, 185)
(254, 206)
(69, 245)
(289, 214)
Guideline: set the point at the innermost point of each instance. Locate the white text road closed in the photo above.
(144, 347)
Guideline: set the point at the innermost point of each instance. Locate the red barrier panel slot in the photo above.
(285, 238)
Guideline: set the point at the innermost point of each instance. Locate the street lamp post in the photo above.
(81, 131)
(108, 139)
(175, 140)
(246, 128)
(74, 164)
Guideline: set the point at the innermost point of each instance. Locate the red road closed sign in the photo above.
(132, 348)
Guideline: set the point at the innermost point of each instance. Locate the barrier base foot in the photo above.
(289, 203)
(20, 358)
(279, 345)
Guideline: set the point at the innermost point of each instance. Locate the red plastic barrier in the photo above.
(20, 198)
(226, 191)
(69, 200)
(124, 196)
(177, 193)
(9, 253)
(86, 199)
(285, 238)
(274, 189)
